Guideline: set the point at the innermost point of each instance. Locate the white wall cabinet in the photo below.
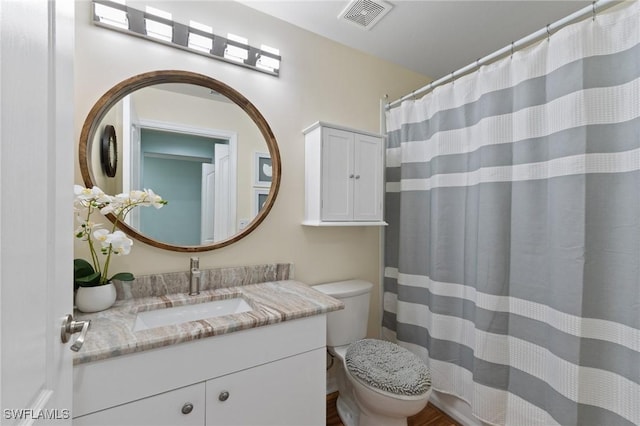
(271, 375)
(343, 176)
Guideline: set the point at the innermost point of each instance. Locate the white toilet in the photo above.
(381, 383)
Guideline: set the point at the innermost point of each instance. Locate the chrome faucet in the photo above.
(194, 277)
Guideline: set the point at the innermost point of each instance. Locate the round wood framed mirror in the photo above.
(198, 143)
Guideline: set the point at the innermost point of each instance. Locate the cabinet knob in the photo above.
(350, 176)
(357, 176)
(187, 408)
(224, 395)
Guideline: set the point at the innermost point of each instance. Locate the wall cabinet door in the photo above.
(179, 407)
(337, 175)
(367, 181)
(285, 392)
(344, 176)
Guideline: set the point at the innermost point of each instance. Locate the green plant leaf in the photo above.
(84, 275)
(82, 268)
(89, 280)
(123, 276)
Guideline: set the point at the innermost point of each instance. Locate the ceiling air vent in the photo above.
(365, 13)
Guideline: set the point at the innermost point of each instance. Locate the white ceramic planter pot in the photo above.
(95, 299)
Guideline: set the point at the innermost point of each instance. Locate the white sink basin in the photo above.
(179, 314)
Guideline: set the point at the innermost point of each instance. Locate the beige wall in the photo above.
(319, 80)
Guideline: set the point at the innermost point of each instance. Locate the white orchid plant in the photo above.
(103, 241)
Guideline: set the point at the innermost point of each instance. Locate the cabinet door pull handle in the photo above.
(187, 408)
(224, 395)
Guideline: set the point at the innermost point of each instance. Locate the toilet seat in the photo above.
(387, 367)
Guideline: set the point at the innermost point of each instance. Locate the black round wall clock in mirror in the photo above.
(109, 150)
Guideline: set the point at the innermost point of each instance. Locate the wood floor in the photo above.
(430, 416)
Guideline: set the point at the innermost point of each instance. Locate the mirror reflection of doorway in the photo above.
(183, 168)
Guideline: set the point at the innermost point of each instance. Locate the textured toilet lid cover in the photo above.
(388, 367)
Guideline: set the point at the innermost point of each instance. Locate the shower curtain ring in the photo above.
(512, 43)
(594, 9)
(548, 33)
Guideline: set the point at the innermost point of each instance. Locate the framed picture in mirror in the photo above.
(260, 197)
(262, 169)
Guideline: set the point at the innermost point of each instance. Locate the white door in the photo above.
(337, 175)
(368, 179)
(225, 211)
(208, 205)
(288, 391)
(36, 213)
(131, 158)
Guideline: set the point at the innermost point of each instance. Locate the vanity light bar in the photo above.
(199, 42)
(115, 15)
(236, 50)
(267, 62)
(157, 29)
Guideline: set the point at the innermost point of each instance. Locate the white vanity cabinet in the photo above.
(343, 176)
(270, 375)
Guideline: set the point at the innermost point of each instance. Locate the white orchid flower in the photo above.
(94, 196)
(109, 208)
(99, 195)
(102, 235)
(154, 199)
(117, 242)
(83, 197)
(137, 196)
(82, 192)
(120, 243)
(122, 198)
(115, 207)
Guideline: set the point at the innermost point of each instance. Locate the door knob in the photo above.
(71, 326)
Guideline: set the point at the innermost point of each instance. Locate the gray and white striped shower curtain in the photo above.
(512, 255)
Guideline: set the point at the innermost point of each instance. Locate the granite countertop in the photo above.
(111, 332)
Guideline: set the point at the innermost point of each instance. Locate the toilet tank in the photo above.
(349, 324)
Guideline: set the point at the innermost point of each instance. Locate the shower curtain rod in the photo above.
(591, 10)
